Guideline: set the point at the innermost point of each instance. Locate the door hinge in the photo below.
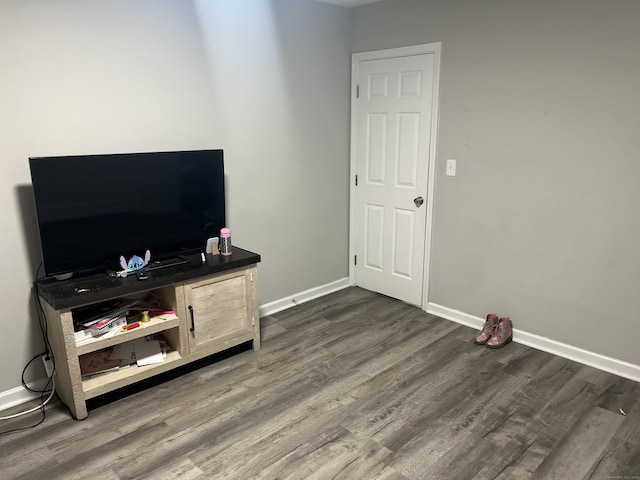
(251, 277)
(355, 260)
(357, 91)
(356, 180)
(253, 321)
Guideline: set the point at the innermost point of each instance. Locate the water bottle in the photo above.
(225, 242)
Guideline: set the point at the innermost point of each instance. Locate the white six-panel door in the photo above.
(393, 147)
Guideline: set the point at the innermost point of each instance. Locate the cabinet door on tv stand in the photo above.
(220, 312)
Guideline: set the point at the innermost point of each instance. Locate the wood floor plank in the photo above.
(629, 431)
(620, 396)
(620, 460)
(178, 468)
(285, 452)
(109, 455)
(13, 457)
(360, 460)
(414, 399)
(270, 328)
(581, 447)
(523, 466)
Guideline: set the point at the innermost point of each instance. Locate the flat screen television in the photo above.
(92, 209)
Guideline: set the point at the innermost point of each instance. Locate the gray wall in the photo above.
(268, 81)
(539, 104)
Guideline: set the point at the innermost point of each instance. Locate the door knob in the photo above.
(418, 201)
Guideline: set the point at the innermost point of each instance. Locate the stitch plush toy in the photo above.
(135, 264)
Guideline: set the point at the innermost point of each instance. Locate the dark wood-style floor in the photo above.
(353, 385)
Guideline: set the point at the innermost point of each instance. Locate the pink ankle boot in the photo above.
(502, 335)
(487, 330)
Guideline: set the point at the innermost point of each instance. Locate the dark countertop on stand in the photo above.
(84, 290)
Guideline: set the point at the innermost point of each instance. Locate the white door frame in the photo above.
(356, 58)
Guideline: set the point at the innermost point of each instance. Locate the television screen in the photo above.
(94, 208)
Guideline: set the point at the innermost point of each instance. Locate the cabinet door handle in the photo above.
(193, 320)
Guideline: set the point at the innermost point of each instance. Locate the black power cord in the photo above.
(42, 319)
(43, 393)
(48, 354)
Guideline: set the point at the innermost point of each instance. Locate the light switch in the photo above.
(451, 168)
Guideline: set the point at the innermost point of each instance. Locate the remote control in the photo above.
(141, 275)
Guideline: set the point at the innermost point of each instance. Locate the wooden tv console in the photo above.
(215, 304)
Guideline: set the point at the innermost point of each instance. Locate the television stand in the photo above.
(165, 263)
(212, 306)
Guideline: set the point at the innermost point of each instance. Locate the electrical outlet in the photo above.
(451, 168)
(48, 365)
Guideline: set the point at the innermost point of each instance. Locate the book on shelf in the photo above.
(91, 314)
(107, 325)
(121, 310)
(143, 351)
(97, 362)
(82, 335)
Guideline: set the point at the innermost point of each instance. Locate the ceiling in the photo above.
(349, 3)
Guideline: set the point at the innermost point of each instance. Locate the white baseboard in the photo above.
(302, 297)
(586, 357)
(17, 396)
